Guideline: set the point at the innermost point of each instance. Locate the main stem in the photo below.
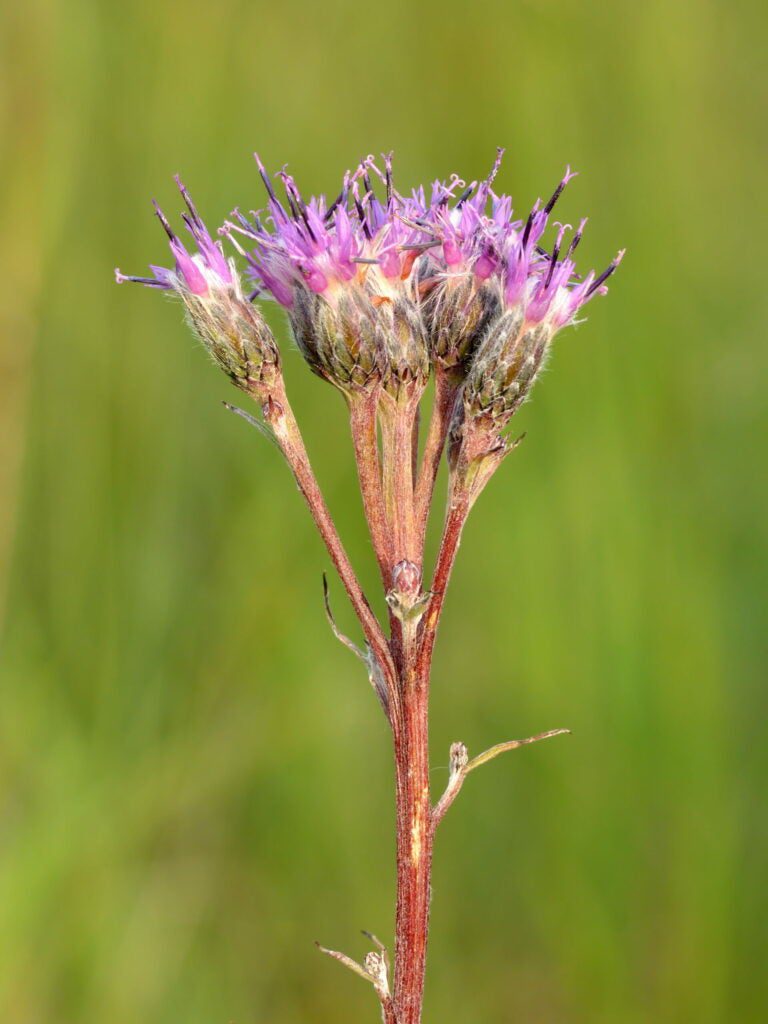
(414, 841)
(415, 821)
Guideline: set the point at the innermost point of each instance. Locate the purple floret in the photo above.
(199, 272)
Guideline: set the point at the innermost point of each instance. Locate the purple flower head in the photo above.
(358, 241)
(205, 270)
(522, 292)
(479, 241)
(232, 330)
(343, 271)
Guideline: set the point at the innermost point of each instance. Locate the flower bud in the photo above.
(505, 367)
(458, 759)
(458, 314)
(407, 357)
(339, 340)
(406, 598)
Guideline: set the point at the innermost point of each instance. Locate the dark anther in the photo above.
(605, 274)
(465, 195)
(161, 217)
(528, 226)
(340, 198)
(188, 200)
(556, 195)
(267, 182)
(361, 215)
(552, 265)
(574, 243)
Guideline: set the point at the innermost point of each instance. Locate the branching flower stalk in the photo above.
(383, 290)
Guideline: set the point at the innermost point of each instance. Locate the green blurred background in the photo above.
(196, 780)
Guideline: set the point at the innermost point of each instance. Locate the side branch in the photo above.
(461, 766)
(279, 416)
(458, 510)
(375, 674)
(375, 969)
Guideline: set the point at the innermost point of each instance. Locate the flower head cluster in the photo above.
(375, 285)
(379, 285)
(231, 328)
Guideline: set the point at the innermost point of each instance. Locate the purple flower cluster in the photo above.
(377, 283)
(357, 240)
(361, 237)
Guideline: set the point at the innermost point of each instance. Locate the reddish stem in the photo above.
(447, 387)
(279, 415)
(398, 417)
(414, 852)
(362, 420)
(458, 510)
(397, 517)
(415, 831)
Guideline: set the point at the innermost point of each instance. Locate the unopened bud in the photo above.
(459, 312)
(406, 577)
(406, 598)
(458, 758)
(505, 367)
(400, 324)
(339, 339)
(377, 970)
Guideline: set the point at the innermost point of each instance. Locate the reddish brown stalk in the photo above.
(362, 420)
(279, 415)
(397, 419)
(456, 517)
(447, 385)
(415, 831)
(398, 525)
(414, 851)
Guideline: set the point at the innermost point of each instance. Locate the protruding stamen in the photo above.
(228, 230)
(556, 252)
(495, 169)
(606, 273)
(465, 195)
(164, 221)
(367, 179)
(266, 179)
(559, 190)
(340, 198)
(576, 239)
(360, 211)
(388, 176)
(188, 200)
(529, 223)
(151, 282)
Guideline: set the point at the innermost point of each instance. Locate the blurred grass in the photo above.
(195, 778)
